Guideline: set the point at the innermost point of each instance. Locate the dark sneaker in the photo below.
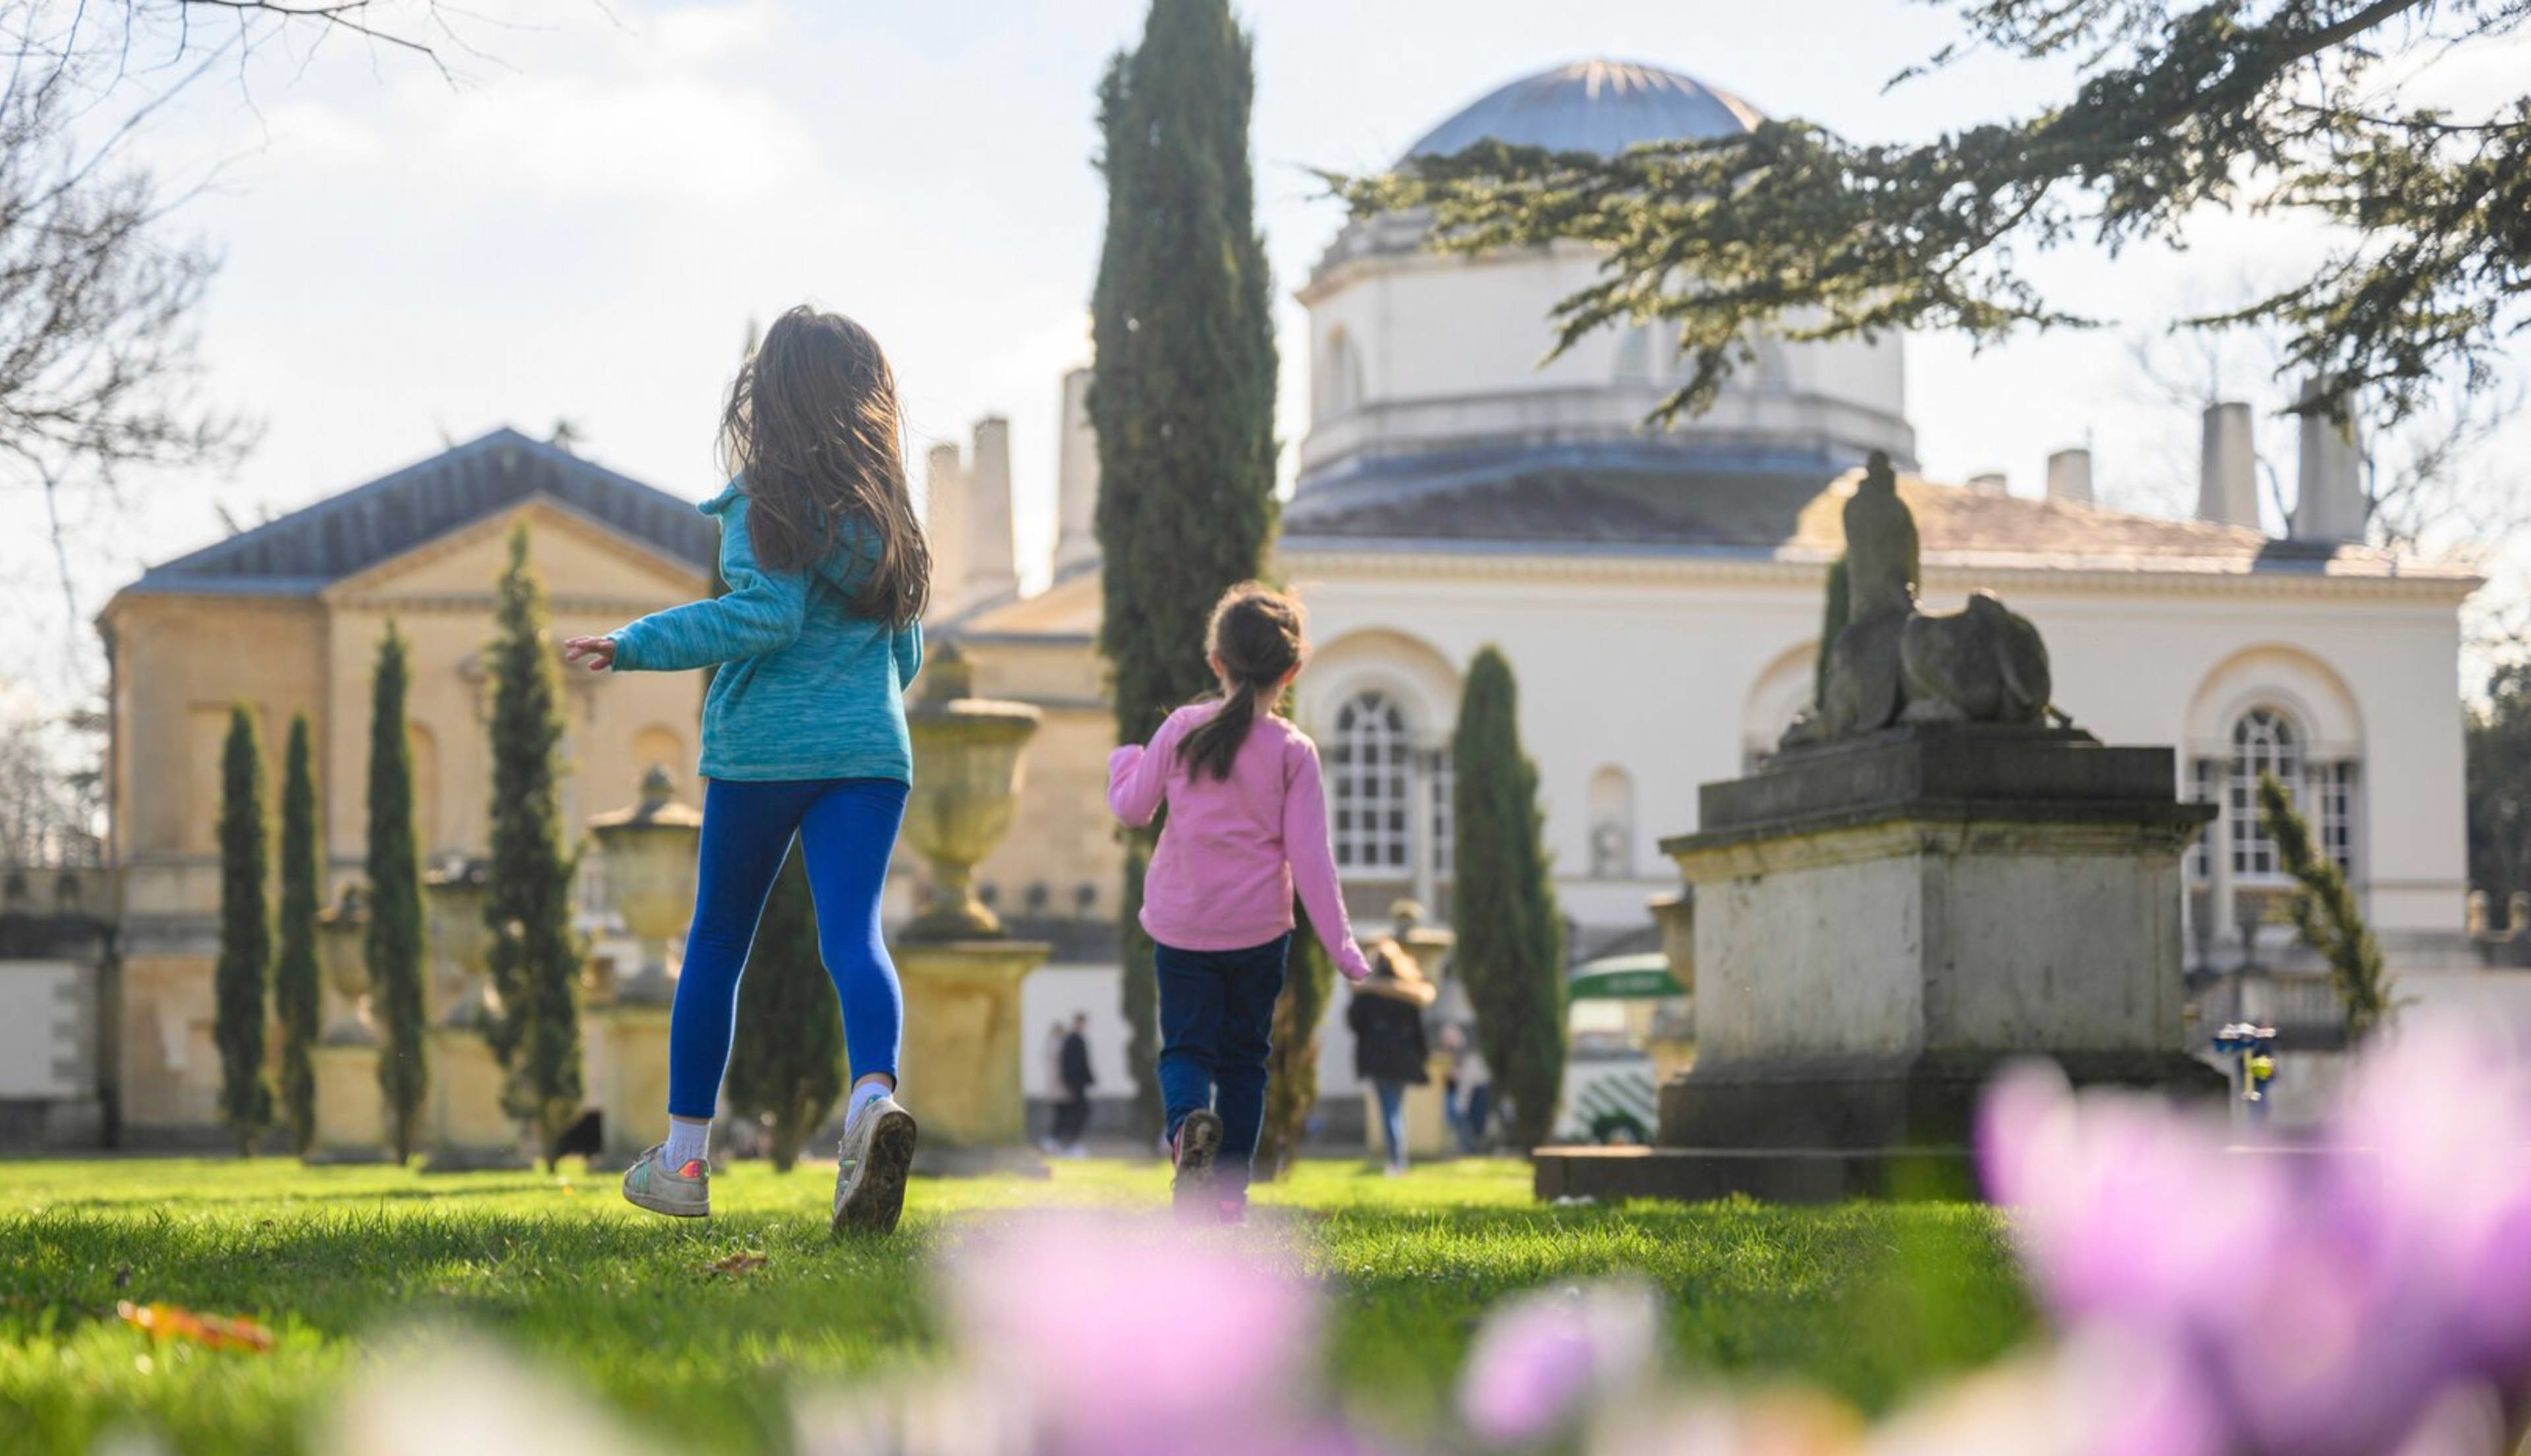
(870, 1171)
(679, 1193)
(1198, 1144)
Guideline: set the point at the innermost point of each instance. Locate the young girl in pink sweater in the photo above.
(1247, 829)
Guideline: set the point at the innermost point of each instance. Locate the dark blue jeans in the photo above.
(1393, 1120)
(1216, 1024)
(846, 829)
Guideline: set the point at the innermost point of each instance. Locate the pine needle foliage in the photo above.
(2326, 913)
(2176, 112)
(1292, 1066)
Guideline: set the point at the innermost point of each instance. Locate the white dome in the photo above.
(1596, 106)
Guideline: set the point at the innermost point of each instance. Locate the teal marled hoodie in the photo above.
(806, 689)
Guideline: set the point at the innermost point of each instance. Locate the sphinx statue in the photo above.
(1891, 661)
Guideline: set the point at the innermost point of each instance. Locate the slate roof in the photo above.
(1597, 106)
(1591, 501)
(303, 552)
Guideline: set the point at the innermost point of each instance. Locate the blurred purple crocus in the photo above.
(2334, 1298)
(1124, 1338)
(1542, 1358)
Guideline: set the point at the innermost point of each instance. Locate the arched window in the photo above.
(2264, 742)
(1372, 763)
(1339, 383)
(1612, 824)
(1635, 354)
(2271, 741)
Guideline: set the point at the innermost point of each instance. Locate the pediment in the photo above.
(579, 558)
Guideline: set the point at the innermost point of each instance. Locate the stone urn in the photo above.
(461, 986)
(961, 970)
(650, 851)
(342, 958)
(966, 785)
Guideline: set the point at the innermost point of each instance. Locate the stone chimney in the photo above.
(2227, 469)
(1990, 482)
(992, 566)
(2328, 498)
(944, 523)
(2069, 477)
(1076, 491)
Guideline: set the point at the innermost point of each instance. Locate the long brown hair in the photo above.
(813, 428)
(1256, 636)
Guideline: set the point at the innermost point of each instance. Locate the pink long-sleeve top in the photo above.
(1235, 850)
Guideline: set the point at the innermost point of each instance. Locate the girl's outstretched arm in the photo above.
(761, 613)
(1137, 778)
(1314, 860)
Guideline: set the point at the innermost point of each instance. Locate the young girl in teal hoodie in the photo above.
(804, 734)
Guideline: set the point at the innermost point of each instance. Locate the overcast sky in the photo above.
(584, 226)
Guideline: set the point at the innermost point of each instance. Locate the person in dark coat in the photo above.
(1390, 1051)
(1072, 1119)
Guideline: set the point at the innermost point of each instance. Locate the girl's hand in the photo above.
(1353, 968)
(598, 652)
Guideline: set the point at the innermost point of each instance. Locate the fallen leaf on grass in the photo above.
(736, 1264)
(216, 1331)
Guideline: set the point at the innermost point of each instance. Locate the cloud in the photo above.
(579, 138)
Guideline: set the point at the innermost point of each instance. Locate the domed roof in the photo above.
(1597, 106)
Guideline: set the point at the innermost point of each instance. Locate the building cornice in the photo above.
(1322, 556)
(477, 604)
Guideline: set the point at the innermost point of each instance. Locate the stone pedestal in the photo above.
(351, 1110)
(1429, 1134)
(469, 1129)
(960, 1064)
(631, 1078)
(1880, 925)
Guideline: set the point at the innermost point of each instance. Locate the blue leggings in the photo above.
(847, 830)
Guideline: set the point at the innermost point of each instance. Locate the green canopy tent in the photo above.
(1635, 977)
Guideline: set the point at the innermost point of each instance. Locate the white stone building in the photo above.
(1658, 595)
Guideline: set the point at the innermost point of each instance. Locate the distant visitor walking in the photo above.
(1072, 1070)
(1247, 829)
(803, 735)
(1390, 1051)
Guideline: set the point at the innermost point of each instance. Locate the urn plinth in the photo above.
(649, 859)
(461, 984)
(961, 968)
(342, 958)
(966, 784)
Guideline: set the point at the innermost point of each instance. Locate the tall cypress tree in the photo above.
(534, 956)
(394, 943)
(294, 976)
(1511, 937)
(787, 1062)
(1184, 396)
(246, 935)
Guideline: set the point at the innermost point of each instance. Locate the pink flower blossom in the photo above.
(1132, 1339)
(1539, 1359)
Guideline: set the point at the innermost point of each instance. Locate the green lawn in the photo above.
(1864, 1300)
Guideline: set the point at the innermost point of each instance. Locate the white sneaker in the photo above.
(679, 1193)
(872, 1167)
